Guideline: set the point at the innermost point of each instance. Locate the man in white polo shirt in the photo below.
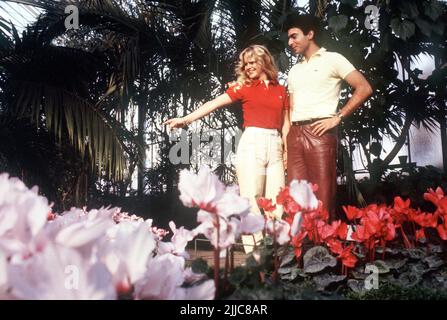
(314, 85)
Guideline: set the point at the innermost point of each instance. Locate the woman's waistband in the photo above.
(262, 130)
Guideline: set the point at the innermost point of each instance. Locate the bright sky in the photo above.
(20, 15)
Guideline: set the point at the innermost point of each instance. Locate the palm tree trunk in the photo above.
(142, 111)
(440, 99)
(400, 141)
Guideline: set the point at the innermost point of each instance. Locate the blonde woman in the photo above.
(262, 149)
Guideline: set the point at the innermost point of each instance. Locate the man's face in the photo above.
(298, 41)
(253, 68)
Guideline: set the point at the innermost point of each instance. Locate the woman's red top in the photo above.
(263, 105)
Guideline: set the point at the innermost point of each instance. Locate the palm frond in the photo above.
(88, 130)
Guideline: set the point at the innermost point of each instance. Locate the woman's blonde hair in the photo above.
(262, 55)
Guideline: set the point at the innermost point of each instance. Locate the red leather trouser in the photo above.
(313, 158)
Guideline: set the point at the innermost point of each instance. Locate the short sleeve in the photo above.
(235, 92)
(289, 82)
(341, 65)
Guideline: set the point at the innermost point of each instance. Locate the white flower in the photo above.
(296, 224)
(232, 204)
(163, 278)
(252, 223)
(179, 241)
(191, 277)
(60, 273)
(126, 255)
(3, 277)
(228, 230)
(85, 233)
(279, 230)
(202, 190)
(23, 214)
(301, 192)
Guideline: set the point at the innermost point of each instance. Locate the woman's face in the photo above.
(253, 69)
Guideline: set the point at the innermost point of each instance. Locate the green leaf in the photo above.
(395, 263)
(409, 279)
(238, 276)
(409, 9)
(438, 28)
(291, 274)
(256, 294)
(419, 268)
(358, 286)
(433, 9)
(285, 270)
(352, 3)
(337, 23)
(317, 259)
(199, 266)
(268, 241)
(325, 280)
(435, 248)
(403, 29)
(415, 253)
(251, 262)
(359, 273)
(433, 262)
(424, 26)
(287, 259)
(381, 266)
(283, 61)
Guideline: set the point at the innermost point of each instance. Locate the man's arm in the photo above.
(284, 132)
(362, 91)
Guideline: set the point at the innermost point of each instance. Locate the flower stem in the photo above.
(275, 254)
(227, 266)
(217, 260)
(404, 236)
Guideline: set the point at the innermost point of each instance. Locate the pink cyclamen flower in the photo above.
(228, 229)
(232, 204)
(165, 279)
(302, 193)
(128, 252)
(60, 273)
(252, 223)
(201, 190)
(85, 233)
(23, 214)
(278, 229)
(178, 243)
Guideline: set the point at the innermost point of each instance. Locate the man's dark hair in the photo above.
(305, 22)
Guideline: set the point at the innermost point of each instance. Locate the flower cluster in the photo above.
(371, 227)
(309, 220)
(107, 254)
(96, 254)
(223, 214)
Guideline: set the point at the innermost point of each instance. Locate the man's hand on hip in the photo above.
(320, 127)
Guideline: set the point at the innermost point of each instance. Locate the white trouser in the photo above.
(260, 170)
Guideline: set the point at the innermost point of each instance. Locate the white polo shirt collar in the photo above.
(319, 52)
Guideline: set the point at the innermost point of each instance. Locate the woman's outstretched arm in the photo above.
(204, 110)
